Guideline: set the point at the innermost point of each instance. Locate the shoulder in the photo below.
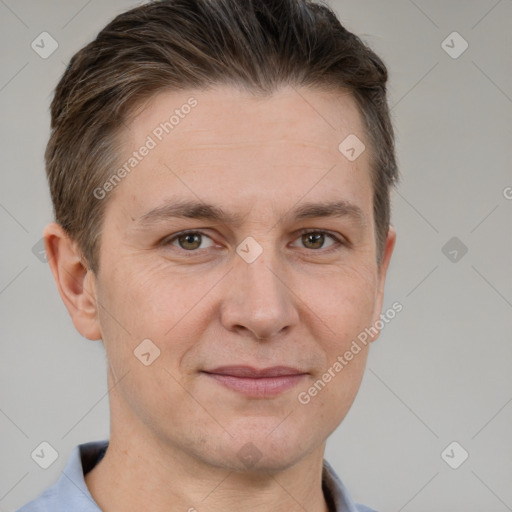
(337, 494)
(45, 502)
(364, 508)
(70, 492)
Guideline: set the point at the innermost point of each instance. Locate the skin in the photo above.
(175, 432)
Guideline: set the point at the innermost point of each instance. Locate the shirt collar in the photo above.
(336, 494)
(71, 492)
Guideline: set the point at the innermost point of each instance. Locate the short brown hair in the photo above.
(257, 45)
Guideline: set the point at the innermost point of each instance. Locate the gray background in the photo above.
(440, 372)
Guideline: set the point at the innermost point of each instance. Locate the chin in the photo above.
(266, 445)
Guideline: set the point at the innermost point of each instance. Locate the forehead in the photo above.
(228, 114)
(235, 146)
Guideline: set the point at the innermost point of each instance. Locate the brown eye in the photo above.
(315, 240)
(189, 241)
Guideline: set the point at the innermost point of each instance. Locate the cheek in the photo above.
(140, 305)
(344, 310)
(150, 302)
(149, 299)
(344, 301)
(328, 398)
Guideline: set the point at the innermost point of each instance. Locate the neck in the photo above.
(140, 472)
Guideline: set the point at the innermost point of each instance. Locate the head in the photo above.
(225, 119)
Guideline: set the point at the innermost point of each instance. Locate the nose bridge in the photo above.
(263, 282)
(259, 299)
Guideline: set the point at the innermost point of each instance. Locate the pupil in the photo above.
(314, 238)
(188, 238)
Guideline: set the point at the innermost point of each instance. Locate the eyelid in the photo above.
(339, 240)
(169, 239)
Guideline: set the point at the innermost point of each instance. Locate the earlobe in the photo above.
(74, 280)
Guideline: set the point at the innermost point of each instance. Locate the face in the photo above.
(274, 266)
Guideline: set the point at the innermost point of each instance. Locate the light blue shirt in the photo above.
(70, 493)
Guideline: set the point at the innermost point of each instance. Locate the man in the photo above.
(220, 174)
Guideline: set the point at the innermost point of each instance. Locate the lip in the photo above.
(255, 373)
(257, 383)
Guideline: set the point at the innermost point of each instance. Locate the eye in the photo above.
(189, 240)
(315, 240)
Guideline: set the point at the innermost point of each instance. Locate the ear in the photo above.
(75, 282)
(381, 277)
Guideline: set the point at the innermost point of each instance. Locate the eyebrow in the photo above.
(187, 209)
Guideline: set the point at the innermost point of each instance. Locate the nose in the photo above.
(260, 301)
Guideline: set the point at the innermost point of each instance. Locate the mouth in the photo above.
(257, 383)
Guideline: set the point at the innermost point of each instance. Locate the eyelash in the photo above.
(339, 243)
